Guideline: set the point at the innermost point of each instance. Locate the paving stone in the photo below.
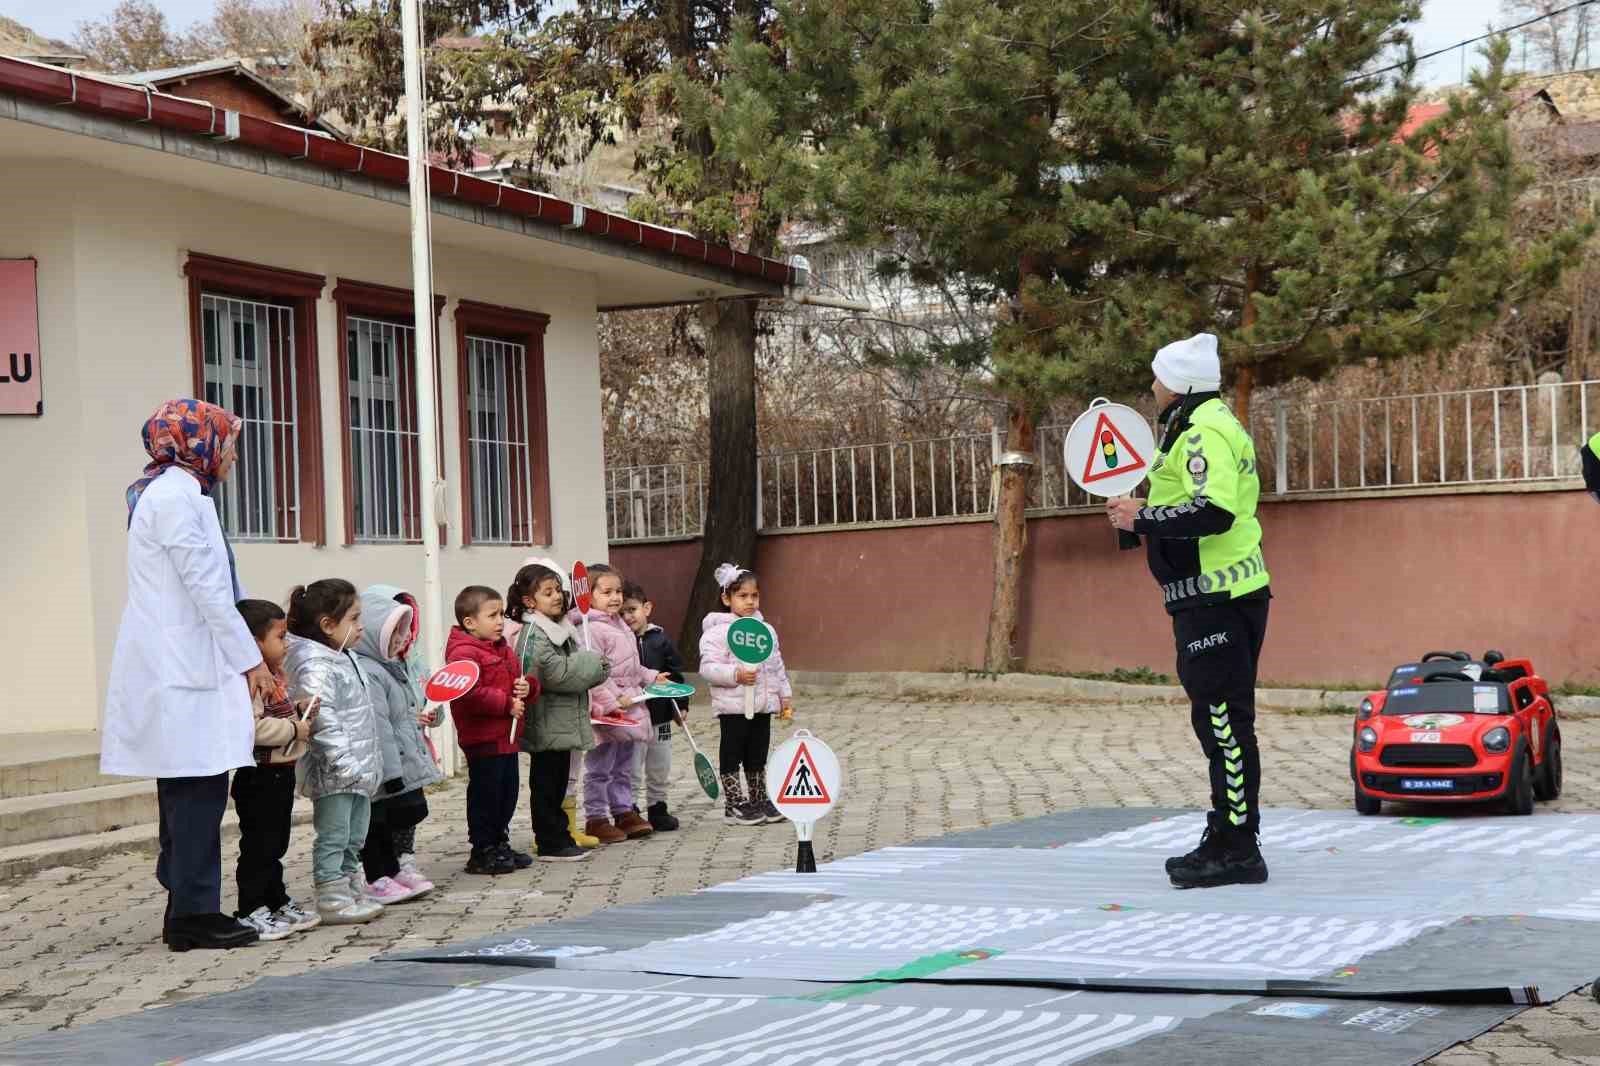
(78, 943)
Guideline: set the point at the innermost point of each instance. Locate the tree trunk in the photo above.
(1244, 384)
(730, 519)
(1010, 538)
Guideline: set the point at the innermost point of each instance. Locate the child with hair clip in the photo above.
(608, 768)
(341, 771)
(744, 740)
(558, 726)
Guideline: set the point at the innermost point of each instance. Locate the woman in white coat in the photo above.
(185, 668)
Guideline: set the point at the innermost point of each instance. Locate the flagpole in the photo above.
(431, 487)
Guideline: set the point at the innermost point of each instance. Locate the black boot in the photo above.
(660, 820)
(1208, 843)
(1235, 859)
(209, 931)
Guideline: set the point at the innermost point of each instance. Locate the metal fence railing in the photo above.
(1465, 437)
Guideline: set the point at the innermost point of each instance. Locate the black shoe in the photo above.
(1209, 842)
(520, 860)
(660, 820)
(567, 854)
(489, 861)
(208, 931)
(1237, 861)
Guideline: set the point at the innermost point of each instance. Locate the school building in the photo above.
(181, 236)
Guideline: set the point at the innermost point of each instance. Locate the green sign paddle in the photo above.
(669, 690)
(751, 643)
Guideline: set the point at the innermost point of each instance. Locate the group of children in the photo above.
(347, 729)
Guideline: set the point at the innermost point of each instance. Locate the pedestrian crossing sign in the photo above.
(804, 779)
(803, 784)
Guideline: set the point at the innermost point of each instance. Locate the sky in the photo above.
(1444, 22)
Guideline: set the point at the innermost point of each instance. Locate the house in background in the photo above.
(199, 247)
(234, 83)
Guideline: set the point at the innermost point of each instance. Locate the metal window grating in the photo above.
(381, 358)
(497, 441)
(249, 368)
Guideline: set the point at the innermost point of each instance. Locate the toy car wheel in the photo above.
(1547, 785)
(1366, 804)
(1519, 787)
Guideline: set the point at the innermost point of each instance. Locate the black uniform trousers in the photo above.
(1219, 650)
(190, 866)
(263, 796)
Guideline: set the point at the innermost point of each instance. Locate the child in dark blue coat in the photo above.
(653, 760)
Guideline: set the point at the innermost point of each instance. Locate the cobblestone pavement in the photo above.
(81, 944)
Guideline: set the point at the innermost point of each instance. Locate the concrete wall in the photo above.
(114, 343)
(1359, 585)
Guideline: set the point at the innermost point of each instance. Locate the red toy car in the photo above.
(1451, 729)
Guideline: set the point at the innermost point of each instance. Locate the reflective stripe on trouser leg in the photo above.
(1232, 765)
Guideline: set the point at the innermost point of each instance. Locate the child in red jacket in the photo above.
(489, 728)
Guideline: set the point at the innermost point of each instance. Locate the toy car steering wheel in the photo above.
(1447, 675)
(1457, 656)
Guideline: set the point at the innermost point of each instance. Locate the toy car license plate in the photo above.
(1427, 784)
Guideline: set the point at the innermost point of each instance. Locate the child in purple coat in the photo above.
(608, 768)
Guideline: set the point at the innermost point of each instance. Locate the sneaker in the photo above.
(411, 878)
(746, 813)
(572, 854)
(602, 830)
(632, 826)
(521, 860)
(488, 861)
(1235, 861)
(298, 917)
(1209, 842)
(338, 905)
(660, 820)
(769, 812)
(387, 891)
(268, 926)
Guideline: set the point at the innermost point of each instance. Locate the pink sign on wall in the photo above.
(21, 382)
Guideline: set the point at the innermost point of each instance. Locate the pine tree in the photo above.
(1128, 172)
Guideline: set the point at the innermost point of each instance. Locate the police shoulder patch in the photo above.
(1197, 465)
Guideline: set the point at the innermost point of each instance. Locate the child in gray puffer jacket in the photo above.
(390, 623)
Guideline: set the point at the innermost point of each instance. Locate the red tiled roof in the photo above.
(133, 104)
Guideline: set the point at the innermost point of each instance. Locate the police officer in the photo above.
(1590, 454)
(1204, 546)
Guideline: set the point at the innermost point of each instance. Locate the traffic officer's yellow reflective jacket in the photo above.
(1590, 454)
(1200, 520)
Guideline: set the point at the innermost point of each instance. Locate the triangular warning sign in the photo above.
(802, 783)
(1110, 451)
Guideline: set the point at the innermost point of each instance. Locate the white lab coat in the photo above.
(178, 704)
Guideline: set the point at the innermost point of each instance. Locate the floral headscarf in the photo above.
(191, 434)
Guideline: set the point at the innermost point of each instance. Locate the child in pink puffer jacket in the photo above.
(744, 740)
(608, 767)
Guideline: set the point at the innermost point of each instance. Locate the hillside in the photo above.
(17, 39)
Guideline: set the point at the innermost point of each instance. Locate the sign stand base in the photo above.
(805, 860)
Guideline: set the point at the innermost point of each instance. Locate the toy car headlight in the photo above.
(1497, 739)
(1366, 710)
(1368, 738)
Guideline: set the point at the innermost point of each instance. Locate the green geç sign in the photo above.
(750, 641)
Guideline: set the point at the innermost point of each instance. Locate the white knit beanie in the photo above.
(1189, 365)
